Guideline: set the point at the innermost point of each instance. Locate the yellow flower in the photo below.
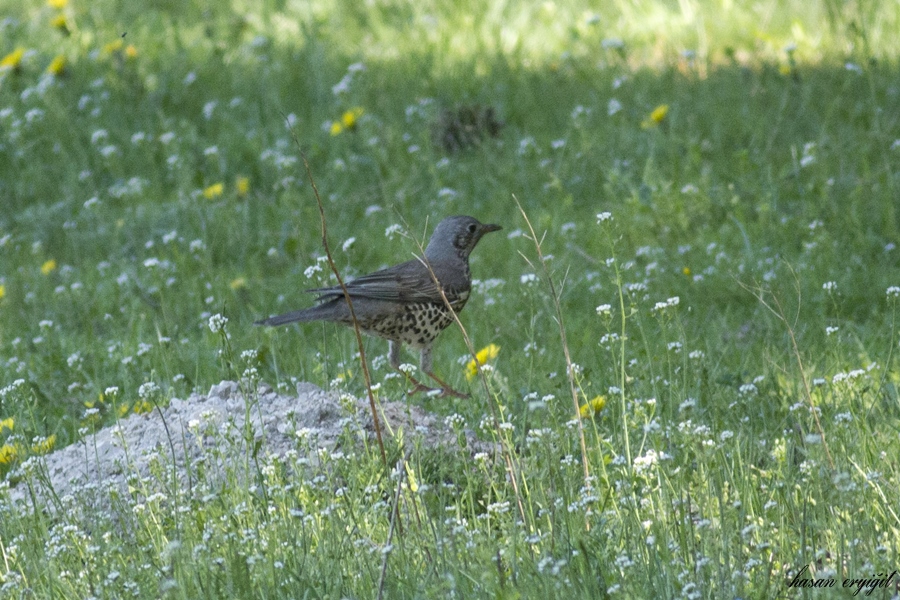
(13, 60)
(92, 403)
(123, 410)
(8, 454)
(57, 4)
(592, 407)
(113, 47)
(60, 22)
(2, 291)
(214, 191)
(48, 267)
(143, 407)
(411, 477)
(7, 423)
(488, 353)
(238, 283)
(656, 117)
(349, 118)
(57, 66)
(44, 445)
(659, 113)
(242, 184)
(344, 376)
(131, 51)
(348, 121)
(686, 271)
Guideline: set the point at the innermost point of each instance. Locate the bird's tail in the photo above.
(306, 314)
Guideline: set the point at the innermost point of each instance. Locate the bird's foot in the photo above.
(419, 386)
(449, 391)
(444, 391)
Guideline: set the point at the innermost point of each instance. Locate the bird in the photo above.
(402, 303)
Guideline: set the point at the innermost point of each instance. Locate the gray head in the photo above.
(456, 236)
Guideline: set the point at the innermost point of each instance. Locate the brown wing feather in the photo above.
(406, 282)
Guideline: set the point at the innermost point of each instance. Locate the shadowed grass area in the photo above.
(733, 315)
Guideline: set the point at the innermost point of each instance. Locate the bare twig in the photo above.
(778, 310)
(507, 454)
(562, 334)
(359, 340)
(399, 469)
(421, 258)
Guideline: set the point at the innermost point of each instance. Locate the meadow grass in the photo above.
(714, 188)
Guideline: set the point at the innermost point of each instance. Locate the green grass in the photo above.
(773, 173)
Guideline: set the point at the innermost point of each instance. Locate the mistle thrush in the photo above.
(402, 303)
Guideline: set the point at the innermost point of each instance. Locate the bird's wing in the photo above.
(406, 282)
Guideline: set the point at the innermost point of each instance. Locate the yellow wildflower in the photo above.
(131, 51)
(60, 22)
(214, 191)
(7, 423)
(411, 477)
(123, 410)
(8, 454)
(686, 271)
(143, 407)
(43, 445)
(656, 117)
(57, 66)
(659, 113)
(349, 118)
(238, 283)
(48, 267)
(592, 407)
(13, 60)
(113, 46)
(344, 376)
(92, 403)
(57, 4)
(2, 291)
(488, 353)
(348, 121)
(242, 184)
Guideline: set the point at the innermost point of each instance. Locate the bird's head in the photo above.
(456, 236)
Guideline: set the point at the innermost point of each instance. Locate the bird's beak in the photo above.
(488, 227)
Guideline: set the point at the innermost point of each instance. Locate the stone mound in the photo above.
(214, 432)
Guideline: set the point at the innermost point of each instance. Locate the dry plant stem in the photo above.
(562, 334)
(174, 459)
(778, 311)
(507, 455)
(359, 342)
(890, 357)
(887, 503)
(622, 373)
(394, 513)
(5, 555)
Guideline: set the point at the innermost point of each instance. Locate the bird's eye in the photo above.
(472, 227)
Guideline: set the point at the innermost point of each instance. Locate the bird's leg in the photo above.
(394, 358)
(425, 365)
